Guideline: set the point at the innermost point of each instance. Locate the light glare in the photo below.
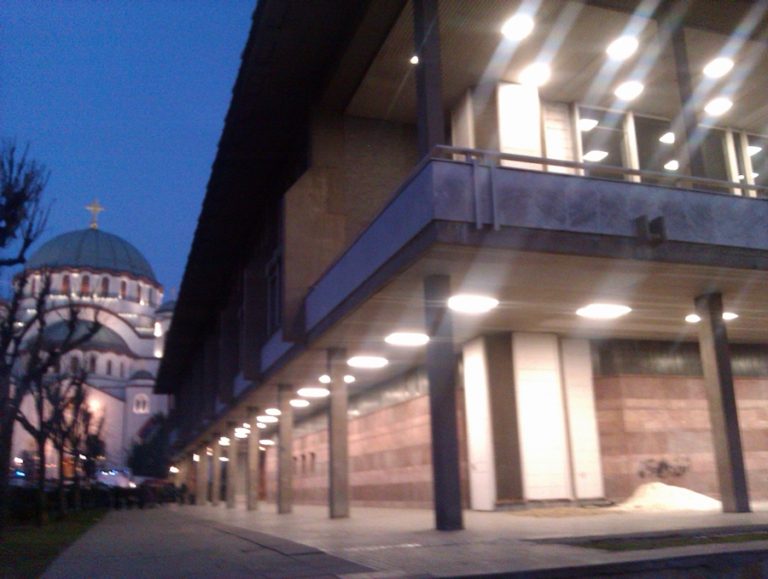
(536, 74)
(299, 403)
(367, 362)
(718, 106)
(472, 304)
(518, 27)
(629, 91)
(324, 379)
(406, 339)
(414, 59)
(622, 48)
(313, 392)
(718, 67)
(753, 150)
(672, 165)
(266, 419)
(586, 125)
(668, 138)
(272, 412)
(349, 379)
(595, 156)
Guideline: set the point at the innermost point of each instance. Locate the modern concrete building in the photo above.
(522, 246)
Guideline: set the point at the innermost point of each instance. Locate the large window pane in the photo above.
(757, 150)
(602, 141)
(656, 150)
(712, 148)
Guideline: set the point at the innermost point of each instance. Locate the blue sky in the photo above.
(123, 101)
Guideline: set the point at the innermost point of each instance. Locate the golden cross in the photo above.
(95, 208)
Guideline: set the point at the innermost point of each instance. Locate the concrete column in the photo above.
(252, 464)
(718, 381)
(441, 374)
(338, 451)
(232, 467)
(216, 472)
(201, 477)
(431, 122)
(285, 450)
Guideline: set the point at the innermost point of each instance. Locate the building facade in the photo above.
(108, 280)
(478, 254)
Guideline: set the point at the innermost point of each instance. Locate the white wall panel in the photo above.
(541, 417)
(519, 111)
(482, 472)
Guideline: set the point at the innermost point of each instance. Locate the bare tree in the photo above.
(22, 221)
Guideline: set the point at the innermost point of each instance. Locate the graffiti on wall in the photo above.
(664, 468)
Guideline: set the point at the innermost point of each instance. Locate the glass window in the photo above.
(138, 292)
(104, 286)
(65, 285)
(757, 149)
(712, 150)
(656, 150)
(141, 404)
(123, 289)
(85, 285)
(92, 364)
(602, 141)
(109, 367)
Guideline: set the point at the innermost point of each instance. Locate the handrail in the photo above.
(483, 155)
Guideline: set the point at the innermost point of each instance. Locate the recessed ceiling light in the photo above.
(472, 304)
(272, 412)
(260, 425)
(603, 311)
(224, 441)
(367, 362)
(349, 379)
(718, 106)
(518, 27)
(299, 403)
(267, 442)
(313, 392)
(414, 59)
(718, 67)
(595, 155)
(586, 125)
(672, 165)
(753, 150)
(695, 318)
(246, 425)
(324, 379)
(536, 74)
(667, 138)
(622, 48)
(406, 339)
(266, 419)
(223, 459)
(755, 175)
(630, 90)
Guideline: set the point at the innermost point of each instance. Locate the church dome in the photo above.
(92, 249)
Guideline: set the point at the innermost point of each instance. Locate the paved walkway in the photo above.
(205, 541)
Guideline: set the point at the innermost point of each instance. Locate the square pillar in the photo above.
(441, 374)
(252, 464)
(216, 472)
(430, 118)
(232, 468)
(285, 450)
(721, 399)
(201, 477)
(338, 443)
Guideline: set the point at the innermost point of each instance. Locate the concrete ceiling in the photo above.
(572, 37)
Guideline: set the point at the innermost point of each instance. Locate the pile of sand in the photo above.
(657, 496)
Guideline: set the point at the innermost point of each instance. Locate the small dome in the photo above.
(141, 375)
(104, 339)
(166, 308)
(92, 249)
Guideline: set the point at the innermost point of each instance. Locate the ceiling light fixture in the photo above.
(414, 59)
(586, 125)
(718, 106)
(595, 156)
(406, 339)
(603, 311)
(667, 138)
(267, 442)
(272, 412)
(370, 362)
(518, 27)
(753, 150)
(630, 90)
(324, 379)
(267, 419)
(718, 67)
(299, 403)
(349, 379)
(536, 74)
(622, 48)
(313, 392)
(672, 165)
(472, 304)
(695, 318)
(260, 425)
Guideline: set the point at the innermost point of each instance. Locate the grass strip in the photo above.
(645, 543)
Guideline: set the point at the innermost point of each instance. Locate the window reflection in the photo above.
(602, 141)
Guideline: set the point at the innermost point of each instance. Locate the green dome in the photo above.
(103, 340)
(91, 249)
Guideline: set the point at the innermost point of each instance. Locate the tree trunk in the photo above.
(62, 487)
(42, 511)
(6, 438)
(77, 499)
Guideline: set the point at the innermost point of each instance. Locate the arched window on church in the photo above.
(151, 297)
(85, 285)
(33, 286)
(92, 363)
(109, 367)
(122, 369)
(138, 292)
(141, 404)
(74, 364)
(123, 289)
(65, 289)
(104, 286)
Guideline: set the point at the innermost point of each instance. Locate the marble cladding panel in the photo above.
(657, 428)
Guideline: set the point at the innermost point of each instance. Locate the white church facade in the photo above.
(108, 280)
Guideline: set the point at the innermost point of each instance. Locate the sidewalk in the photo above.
(219, 542)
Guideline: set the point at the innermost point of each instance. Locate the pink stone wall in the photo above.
(390, 459)
(647, 422)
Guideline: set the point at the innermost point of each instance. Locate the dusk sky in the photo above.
(123, 101)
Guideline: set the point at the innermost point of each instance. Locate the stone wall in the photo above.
(657, 428)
